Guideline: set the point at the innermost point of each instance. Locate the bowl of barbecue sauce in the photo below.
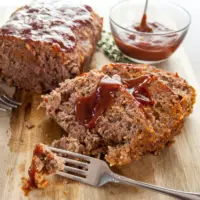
(152, 37)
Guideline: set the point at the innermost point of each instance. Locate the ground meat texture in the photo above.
(46, 42)
(44, 162)
(186, 93)
(128, 129)
(122, 129)
(170, 109)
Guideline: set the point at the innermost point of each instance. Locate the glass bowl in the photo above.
(143, 47)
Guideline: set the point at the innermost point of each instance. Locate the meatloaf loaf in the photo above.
(46, 42)
(141, 116)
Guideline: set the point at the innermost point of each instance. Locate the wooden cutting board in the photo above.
(176, 167)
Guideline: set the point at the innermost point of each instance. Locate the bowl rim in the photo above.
(152, 34)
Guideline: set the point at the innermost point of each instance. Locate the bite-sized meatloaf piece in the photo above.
(101, 118)
(178, 85)
(44, 162)
(46, 42)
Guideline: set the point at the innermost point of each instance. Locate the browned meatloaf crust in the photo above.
(44, 162)
(121, 134)
(46, 42)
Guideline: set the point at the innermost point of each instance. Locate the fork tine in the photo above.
(7, 103)
(76, 155)
(75, 162)
(70, 176)
(12, 101)
(75, 170)
(5, 106)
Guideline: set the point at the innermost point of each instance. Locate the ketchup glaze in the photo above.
(50, 22)
(88, 109)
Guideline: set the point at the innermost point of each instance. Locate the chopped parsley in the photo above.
(109, 48)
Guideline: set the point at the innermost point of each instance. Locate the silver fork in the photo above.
(6, 103)
(96, 172)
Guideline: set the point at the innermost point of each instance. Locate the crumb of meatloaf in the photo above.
(29, 125)
(44, 162)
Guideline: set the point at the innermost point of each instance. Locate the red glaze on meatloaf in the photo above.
(46, 42)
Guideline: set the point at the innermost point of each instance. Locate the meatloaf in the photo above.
(168, 112)
(99, 121)
(143, 115)
(46, 42)
(44, 163)
(178, 85)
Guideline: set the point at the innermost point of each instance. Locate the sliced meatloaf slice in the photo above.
(46, 42)
(166, 113)
(178, 85)
(44, 162)
(121, 132)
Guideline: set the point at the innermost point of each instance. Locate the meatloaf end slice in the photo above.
(121, 134)
(35, 66)
(166, 114)
(44, 162)
(46, 42)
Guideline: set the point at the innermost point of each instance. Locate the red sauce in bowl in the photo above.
(143, 26)
(147, 47)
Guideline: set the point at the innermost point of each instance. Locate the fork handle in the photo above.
(170, 192)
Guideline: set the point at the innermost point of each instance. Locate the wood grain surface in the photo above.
(176, 167)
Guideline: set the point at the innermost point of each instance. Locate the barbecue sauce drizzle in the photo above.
(143, 27)
(139, 88)
(88, 109)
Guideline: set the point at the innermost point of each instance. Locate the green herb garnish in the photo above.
(108, 46)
